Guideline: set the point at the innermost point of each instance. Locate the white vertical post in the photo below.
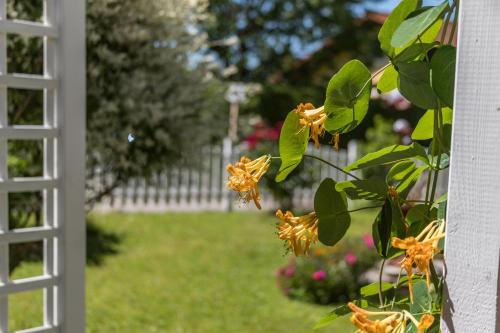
(4, 197)
(472, 249)
(51, 315)
(71, 155)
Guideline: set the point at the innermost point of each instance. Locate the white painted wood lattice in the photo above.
(62, 183)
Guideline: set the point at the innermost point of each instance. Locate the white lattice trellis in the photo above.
(62, 183)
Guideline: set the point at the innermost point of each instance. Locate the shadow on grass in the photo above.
(100, 243)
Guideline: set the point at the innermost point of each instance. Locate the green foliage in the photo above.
(140, 84)
(414, 84)
(388, 81)
(443, 73)
(271, 33)
(388, 223)
(425, 127)
(414, 52)
(422, 69)
(391, 154)
(374, 288)
(393, 21)
(347, 97)
(369, 189)
(331, 208)
(414, 26)
(292, 145)
(329, 275)
(400, 171)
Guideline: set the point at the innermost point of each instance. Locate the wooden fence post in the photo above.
(472, 249)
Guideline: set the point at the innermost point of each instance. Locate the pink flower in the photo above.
(319, 275)
(368, 239)
(350, 258)
(290, 271)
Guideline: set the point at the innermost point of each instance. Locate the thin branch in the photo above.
(333, 166)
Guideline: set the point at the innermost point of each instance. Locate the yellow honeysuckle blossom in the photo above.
(245, 175)
(336, 141)
(394, 321)
(312, 118)
(420, 250)
(299, 232)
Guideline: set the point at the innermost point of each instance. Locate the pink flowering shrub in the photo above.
(329, 274)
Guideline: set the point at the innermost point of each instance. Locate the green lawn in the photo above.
(198, 272)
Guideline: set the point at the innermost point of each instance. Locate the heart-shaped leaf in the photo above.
(415, 84)
(388, 81)
(399, 171)
(425, 126)
(368, 189)
(292, 145)
(330, 206)
(393, 21)
(373, 288)
(391, 154)
(409, 181)
(443, 73)
(414, 52)
(417, 24)
(347, 97)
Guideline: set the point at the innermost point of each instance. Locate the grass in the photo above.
(197, 272)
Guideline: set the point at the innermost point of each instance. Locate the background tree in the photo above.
(145, 84)
(147, 93)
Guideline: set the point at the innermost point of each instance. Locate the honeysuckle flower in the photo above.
(299, 232)
(336, 141)
(390, 322)
(394, 322)
(420, 250)
(425, 322)
(312, 118)
(245, 175)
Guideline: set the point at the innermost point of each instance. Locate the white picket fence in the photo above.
(201, 186)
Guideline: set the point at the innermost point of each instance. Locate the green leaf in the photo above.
(388, 223)
(393, 21)
(339, 312)
(399, 171)
(409, 181)
(388, 81)
(388, 155)
(443, 73)
(419, 213)
(347, 97)
(368, 189)
(330, 206)
(413, 52)
(430, 35)
(292, 145)
(441, 210)
(415, 84)
(422, 299)
(443, 163)
(425, 126)
(372, 288)
(417, 24)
